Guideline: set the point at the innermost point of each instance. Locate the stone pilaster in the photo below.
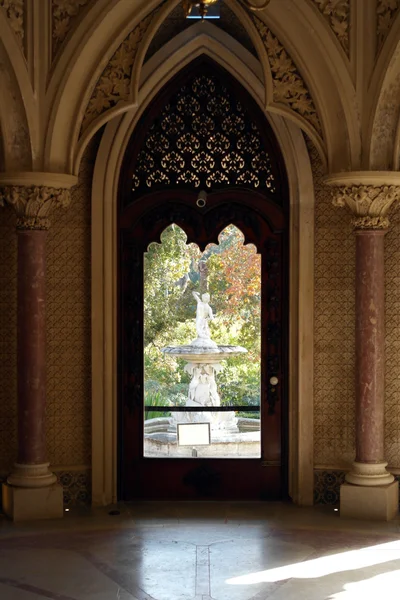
(369, 201)
(31, 490)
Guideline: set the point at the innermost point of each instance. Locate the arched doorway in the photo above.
(203, 132)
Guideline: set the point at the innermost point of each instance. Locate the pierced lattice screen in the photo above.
(204, 138)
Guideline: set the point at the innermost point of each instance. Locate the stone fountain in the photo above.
(203, 357)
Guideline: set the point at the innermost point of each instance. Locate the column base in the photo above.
(31, 476)
(366, 502)
(30, 504)
(369, 474)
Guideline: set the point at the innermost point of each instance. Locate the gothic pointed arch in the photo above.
(203, 131)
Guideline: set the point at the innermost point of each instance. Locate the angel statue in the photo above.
(204, 314)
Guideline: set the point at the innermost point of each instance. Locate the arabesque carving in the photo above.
(33, 204)
(337, 13)
(114, 84)
(14, 10)
(369, 204)
(386, 11)
(289, 87)
(64, 15)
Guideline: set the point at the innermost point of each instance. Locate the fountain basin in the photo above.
(204, 354)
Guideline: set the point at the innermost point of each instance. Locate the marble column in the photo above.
(32, 490)
(370, 491)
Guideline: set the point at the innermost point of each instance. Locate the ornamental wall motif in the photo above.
(113, 87)
(64, 17)
(289, 87)
(15, 10)
(337, 14)
(386, 12)
(114, 84)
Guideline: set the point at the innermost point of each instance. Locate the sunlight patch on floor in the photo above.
(385, 585)
(325, 565)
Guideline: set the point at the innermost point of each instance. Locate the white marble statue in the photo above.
(204, 314)
(203, 388)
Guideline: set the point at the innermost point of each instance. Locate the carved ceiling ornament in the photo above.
(64, 13)
(34, 203)
(337, 13)
(289, 87)
(14, 10)
(369, 204)
(386, 11)
(114, 84)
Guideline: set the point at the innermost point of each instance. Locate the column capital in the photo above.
(33, 195)
(368, 194)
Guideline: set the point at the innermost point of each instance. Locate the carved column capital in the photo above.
(368, 204)
(369, 196)
(34, 195)
(33, 204)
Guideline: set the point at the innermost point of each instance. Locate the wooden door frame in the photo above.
(104, 308)
(264, 224)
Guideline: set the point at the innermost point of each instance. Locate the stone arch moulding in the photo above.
(104, 305)
(178, 53)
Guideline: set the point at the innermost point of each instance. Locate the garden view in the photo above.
(231, 273)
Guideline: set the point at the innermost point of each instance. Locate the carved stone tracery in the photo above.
(33, 204)
(113, 86)
(369, 204)
(14, 10)
(289, 87)
(386, 11)
(337, 13)
(64, 13)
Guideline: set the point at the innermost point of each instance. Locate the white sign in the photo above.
(194, 434)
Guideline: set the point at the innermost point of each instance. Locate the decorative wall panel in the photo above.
(334, 349)
(392, 299)
(77, 486)
(65, 15)
(68, 325)
(386, 12)
(289, 86)
(113, 86)
(15, 13)
(8, 339)
(337, 14)
(327, 486)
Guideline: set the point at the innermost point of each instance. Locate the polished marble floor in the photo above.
(200, 551)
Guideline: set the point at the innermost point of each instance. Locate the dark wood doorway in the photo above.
(157, 189)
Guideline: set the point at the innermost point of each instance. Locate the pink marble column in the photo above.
(31, 491)
(31, 469)
(369, 466)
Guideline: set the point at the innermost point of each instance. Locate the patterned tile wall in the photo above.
(334, 394)
(392, 384)
(327, 486)
(8, 339)
(68, 326)
(77, 486)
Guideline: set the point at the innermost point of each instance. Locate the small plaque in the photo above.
(194, 434)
